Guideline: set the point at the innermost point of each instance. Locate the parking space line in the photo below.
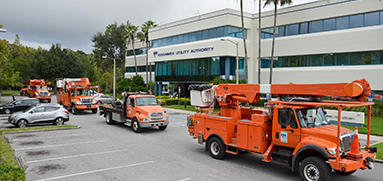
(94, 171)
(75, 156)
(57, 136)
(185, 179)
(50, 146)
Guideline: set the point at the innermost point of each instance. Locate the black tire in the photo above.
(108, 118)
(21, 93)
(22, 123)
(61, 103)
(59, 121)
(49, 101)
(94, 111)
(216, 148)
(162, 127)
(314, 168)
(136, 125)
(73, 109)
(345, 173)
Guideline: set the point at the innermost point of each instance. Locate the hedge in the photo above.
(173, 101)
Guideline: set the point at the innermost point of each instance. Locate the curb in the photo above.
(42, 130)
(21, 162)
(378, 161)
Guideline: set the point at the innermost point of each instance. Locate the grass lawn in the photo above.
(376, 126)
(7, 93)
(379, 155)
(9, 169)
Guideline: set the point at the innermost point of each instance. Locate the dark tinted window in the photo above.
(356, 21)
(342, 23)
(329, 24)
(292, 29)
(303, 28)
(371, 19)
(316, 26)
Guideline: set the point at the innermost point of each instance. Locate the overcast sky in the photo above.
(72, 23)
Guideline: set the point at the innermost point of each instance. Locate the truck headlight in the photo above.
(78, 102)
(94, 101)
(49, 94)
(166, 118)
(331, 151)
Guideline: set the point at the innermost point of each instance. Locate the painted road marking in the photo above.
(185, 179)
(50, 146)
(54, 136)
(94, 171)
(75, 156)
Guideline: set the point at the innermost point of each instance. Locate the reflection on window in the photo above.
(336, 59)
(356, 21)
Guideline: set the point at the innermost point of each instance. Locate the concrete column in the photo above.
(227, 67)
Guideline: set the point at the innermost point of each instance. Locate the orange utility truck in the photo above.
(76, 94)
(291, 131)
(39, 90)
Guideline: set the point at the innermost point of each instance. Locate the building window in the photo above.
(356, 21)
(200, 35)
(331, 24)
(337, 59)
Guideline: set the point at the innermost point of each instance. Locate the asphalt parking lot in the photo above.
(97, 151)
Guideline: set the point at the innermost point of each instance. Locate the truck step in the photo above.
(279, 162)
(232, 144)
(234, 141)
(232, 152)
(282, 153)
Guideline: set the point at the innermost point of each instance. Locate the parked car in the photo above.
(104, 99)
(19, 105)
(47, 113)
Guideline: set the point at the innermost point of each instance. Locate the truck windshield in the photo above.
(41, 88)
(146, 101)
(83, 92)
(311, 117)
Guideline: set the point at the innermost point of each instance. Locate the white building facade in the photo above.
(319, 42)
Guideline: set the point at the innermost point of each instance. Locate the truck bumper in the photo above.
(153, 124)
(347, 165)
(44, 98)
(92, 106)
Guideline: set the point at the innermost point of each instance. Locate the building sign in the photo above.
(348, 117)
(182, 52)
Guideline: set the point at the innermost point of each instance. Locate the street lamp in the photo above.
(114, 74)
(3, 30)
(236, 44)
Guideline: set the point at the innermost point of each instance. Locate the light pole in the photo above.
(3, 30)
(236, 44)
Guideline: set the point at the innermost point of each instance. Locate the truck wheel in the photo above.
(21, 93)
(136, 126)
(162, 127)
(49, 101)
(22, 123)
(216, 148)
(108, 118)
(74, 110)
(344, 173)
(94, 111)
(314, 168)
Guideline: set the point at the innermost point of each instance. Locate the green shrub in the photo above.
(376, 109)
(8, 172)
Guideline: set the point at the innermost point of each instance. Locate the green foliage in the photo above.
(379, 155)
(173, 101)
(376, 109)
(376, 127)
(9, 169)
(134, 84)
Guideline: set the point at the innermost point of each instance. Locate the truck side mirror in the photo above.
(282, 118)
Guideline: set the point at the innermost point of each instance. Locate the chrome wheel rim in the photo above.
(22, 124)
(7, 111)
(135, 125)
(73, 109)
(107, 118)
(311, 172)
(214, 148)
(59, 121)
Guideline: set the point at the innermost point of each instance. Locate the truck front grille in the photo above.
(156, 114)
(86, 100)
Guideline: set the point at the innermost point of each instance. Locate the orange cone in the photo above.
(355, 143)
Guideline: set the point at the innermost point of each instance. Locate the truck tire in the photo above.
(345, 173)
(108, 118)
(94, 111)
(314, 168)
(73, 109)
(216, 148)
(49, 101)
(162, 127)
(136, 126)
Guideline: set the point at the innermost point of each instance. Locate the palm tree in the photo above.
(283, 2)
(131, 33)
(259, 41)
(151, 84)
(145, 30)
(244, 40)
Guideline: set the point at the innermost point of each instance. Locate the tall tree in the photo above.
(145, 30)
(259, 40)
(8, 77)
(244, 40)
(100, 49)
(276, 2)
(131, 33)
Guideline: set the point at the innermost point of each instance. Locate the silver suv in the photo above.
(51, 113)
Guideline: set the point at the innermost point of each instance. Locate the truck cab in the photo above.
(137, 110)
(38, 89)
